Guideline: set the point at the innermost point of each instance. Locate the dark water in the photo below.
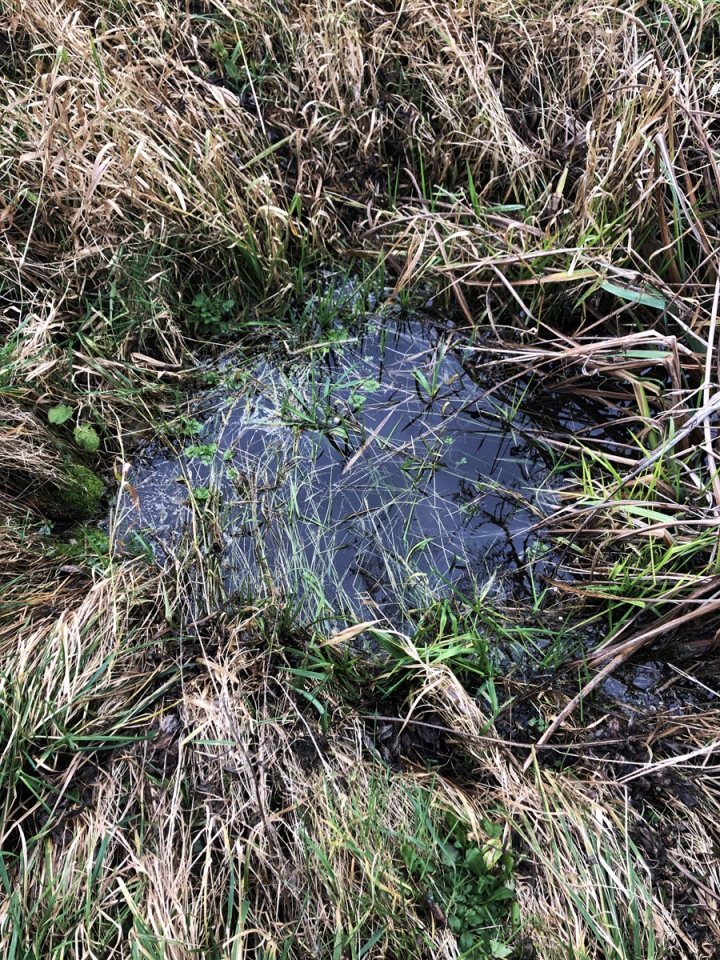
(369, 480)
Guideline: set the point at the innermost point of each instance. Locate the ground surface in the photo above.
(190, 771)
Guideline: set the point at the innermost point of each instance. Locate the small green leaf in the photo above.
(448, 853)
(465, 941)
(86, 437)
(504, 893)
(499, 950)
(408, 855)
(203, 451)
(475, 861)
(650, 299)
(60, 413)
(422, 380)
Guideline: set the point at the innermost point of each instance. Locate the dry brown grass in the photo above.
(569, 112)
(155, 813)
(27, 448)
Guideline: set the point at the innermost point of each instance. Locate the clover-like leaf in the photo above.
(59, 413)
(86, 437)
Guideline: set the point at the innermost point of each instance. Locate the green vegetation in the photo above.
(82, 543)
(80, 492)
(191, 773)
(203, 451)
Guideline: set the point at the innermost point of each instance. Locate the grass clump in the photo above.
(224, 814)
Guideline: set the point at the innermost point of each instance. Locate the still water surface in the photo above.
(366, 479)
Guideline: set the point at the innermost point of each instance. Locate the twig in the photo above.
(355, 457)
(623, 652)
(671, 762)
(712, 466)
(588, 688)
(690, 876)
(497, 741)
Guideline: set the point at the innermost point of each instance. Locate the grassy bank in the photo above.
(185, 777)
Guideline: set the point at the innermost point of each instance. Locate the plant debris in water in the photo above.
(366, 480)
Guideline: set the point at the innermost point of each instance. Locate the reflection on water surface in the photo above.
(368, 479)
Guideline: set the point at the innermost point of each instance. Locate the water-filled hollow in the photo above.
(365, 479)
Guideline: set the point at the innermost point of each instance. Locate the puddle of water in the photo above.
(367, 480)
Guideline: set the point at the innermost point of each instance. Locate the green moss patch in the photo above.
(79, 497)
